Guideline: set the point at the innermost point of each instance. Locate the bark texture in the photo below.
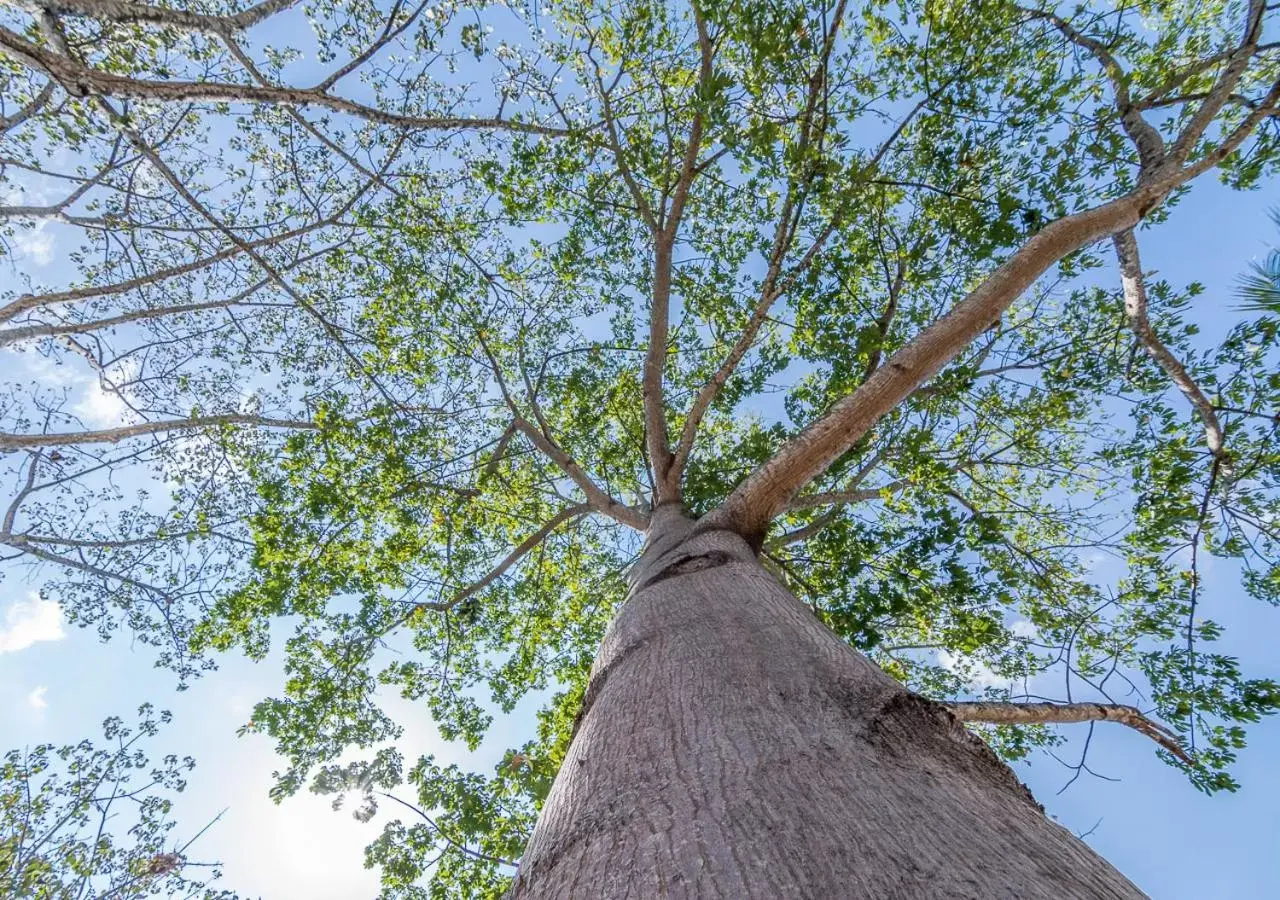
(731, 746)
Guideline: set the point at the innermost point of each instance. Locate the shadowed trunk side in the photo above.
(731, 746)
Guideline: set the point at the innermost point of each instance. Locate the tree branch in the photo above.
(124, 11)
(511, 558)
(770, 289)
(769, 489)
(28, 332)
(80, 80)
(1065, 713)
(655, 410)
(846, 498)
(1144, 136)
(33, 301)
(599, 499)
(1222, 89)
(1135, 310)
(115, 435)
(37, 103)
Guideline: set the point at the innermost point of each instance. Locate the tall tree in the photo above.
(579, 384)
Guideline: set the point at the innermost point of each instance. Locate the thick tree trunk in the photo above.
(731, 746)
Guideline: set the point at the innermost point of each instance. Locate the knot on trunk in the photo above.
(906, 719)
(688, 564)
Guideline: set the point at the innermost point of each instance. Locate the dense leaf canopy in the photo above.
(408, 320)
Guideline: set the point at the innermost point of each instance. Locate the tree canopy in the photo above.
(405, 317)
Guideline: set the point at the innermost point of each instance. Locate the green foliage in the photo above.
(967, 573)
(1260, 289)
(93, 822)
(469, 356)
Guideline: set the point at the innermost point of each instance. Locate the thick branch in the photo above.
(81, 81)
(1065, 713)
(769, 489)
(1264, 109)
(124, 11)
(115, 435)
(598, 498)
(783, 237)
(1135, 310)
(655, 417)
(1144, 136)
(1222, 89)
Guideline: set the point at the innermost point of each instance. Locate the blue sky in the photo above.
(58, 682)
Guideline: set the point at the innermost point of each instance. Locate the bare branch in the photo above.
(115, 435)
(29, 332)
(33, 301)
(124, 11)
(1135, 310)
(1064, 713)
(614, 140)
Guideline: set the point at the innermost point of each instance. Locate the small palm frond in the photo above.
(1260, 290)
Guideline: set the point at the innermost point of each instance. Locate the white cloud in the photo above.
(99, 407)
(44, 370)
(36, 698)
(30, 621)
(35, 244)
(102, 407)
(972, 671)
(1024, 629)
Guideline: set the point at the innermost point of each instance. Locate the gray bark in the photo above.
(731, 746)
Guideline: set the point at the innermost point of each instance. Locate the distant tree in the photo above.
(92, 823)
(557, 352)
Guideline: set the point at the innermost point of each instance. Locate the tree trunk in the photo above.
(731, 746)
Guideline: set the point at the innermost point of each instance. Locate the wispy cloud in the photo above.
(35, 244)
(36, 698)
(100, 407)
(1025, 629)
(975, 672)
(30, 621)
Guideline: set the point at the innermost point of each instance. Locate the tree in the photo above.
(575, 387)
(82, 821)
